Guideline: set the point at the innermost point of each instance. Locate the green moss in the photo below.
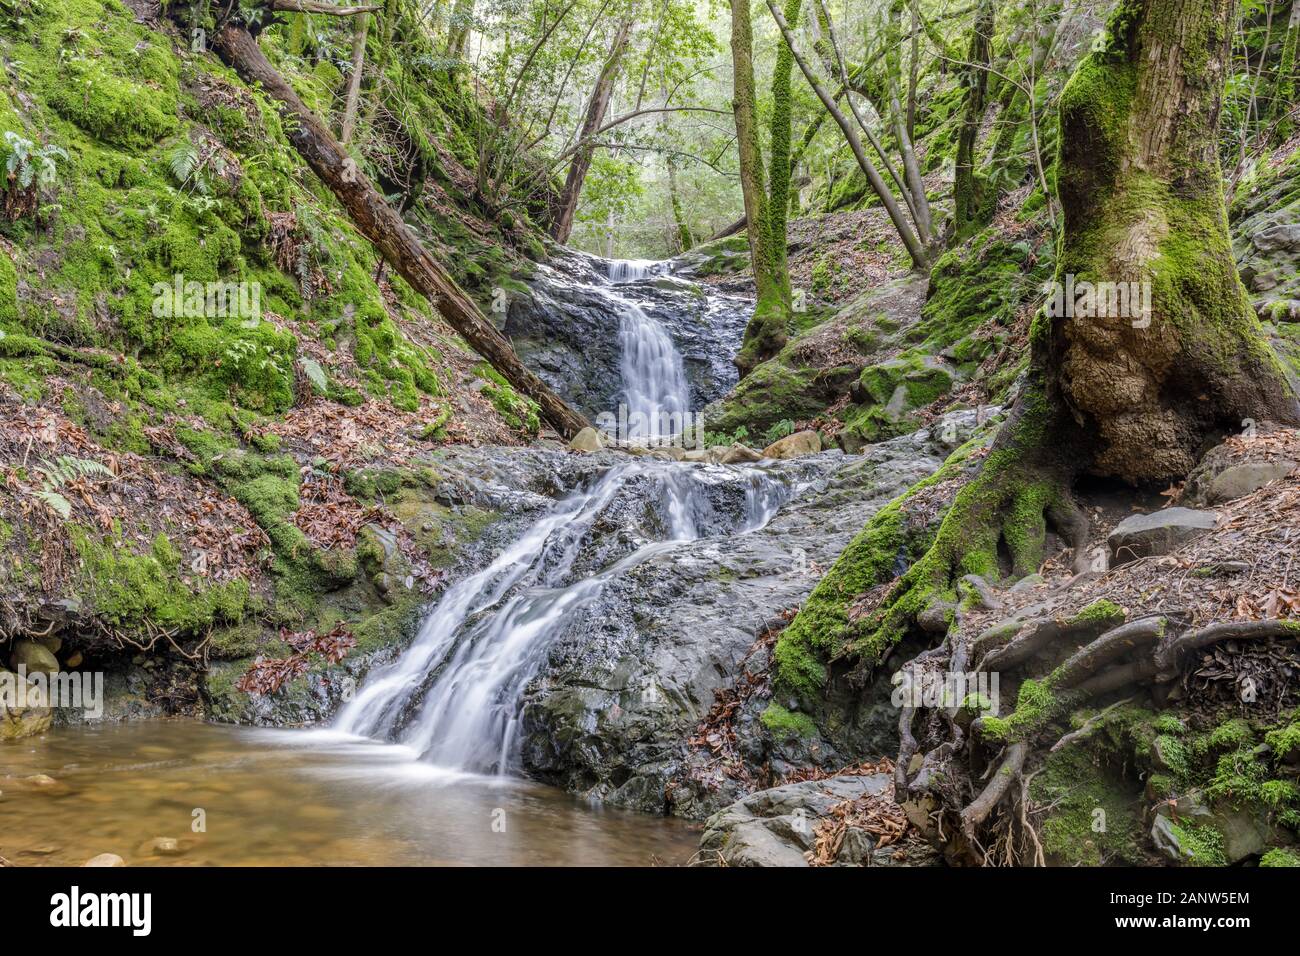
(783, 723)
(128, 589)
(1095, 817)
(1203, 843)
(116, 80)
(1279, 857)
(824, 629)
(517, 411)
(1103, 613)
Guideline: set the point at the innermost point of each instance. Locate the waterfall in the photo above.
(632, 270)
(455, 696)
(654, 382)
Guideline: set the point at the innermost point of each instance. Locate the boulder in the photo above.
(739, 454)
(776, 827)
(794, 446)
(1237, 481)
(589, 439)
(36, 657)
(105, 859)
(25, 718)
(1160, 532)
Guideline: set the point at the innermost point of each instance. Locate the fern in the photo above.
(64, 470)
(28, 163)
(315, 374)
(184, 162)
(56, 503)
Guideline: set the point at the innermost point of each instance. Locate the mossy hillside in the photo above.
(121, 219)
(825, 629)
(382, 613)
(126, 590)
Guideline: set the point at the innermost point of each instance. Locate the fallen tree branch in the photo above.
(386, 230)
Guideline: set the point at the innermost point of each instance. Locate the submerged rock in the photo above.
(22, 721)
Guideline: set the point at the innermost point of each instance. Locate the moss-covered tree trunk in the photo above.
(1142, 194)
(765, 209)
(1134, 393)
(967, 202)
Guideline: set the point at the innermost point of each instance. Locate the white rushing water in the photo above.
(455, 695)
(633, 270)
(654, 381)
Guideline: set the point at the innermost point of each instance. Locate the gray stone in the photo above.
(1165, 839)
(1277, 238)
(1245, 834)
(1160, 532)
(105, 859)
(1237, 481)
(776, 827)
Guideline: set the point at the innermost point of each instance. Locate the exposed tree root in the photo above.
(988, 823)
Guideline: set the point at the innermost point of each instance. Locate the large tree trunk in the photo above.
(597, 106)
(1131, 396)
(381, 224)
(1142, 193)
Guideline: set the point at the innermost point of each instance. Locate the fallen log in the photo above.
(386, 229)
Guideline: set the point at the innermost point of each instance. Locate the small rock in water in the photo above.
(105, 859)
(794, 446)
(161, 846)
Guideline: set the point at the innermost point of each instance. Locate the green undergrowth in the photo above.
(1136, 759)
(825, 628)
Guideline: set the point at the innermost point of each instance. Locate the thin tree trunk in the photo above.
(915, 248)
(684, 240)
(359, 32)
(597, 105)
(765, 329)
(462, 16)
(968, 205)
(381, 224)
(911, 168)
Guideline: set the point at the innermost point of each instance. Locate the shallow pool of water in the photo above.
(270, 797)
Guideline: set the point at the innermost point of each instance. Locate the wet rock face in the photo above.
(627, 682)
(567, 329)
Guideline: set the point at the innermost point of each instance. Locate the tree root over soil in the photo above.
(960, 771)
